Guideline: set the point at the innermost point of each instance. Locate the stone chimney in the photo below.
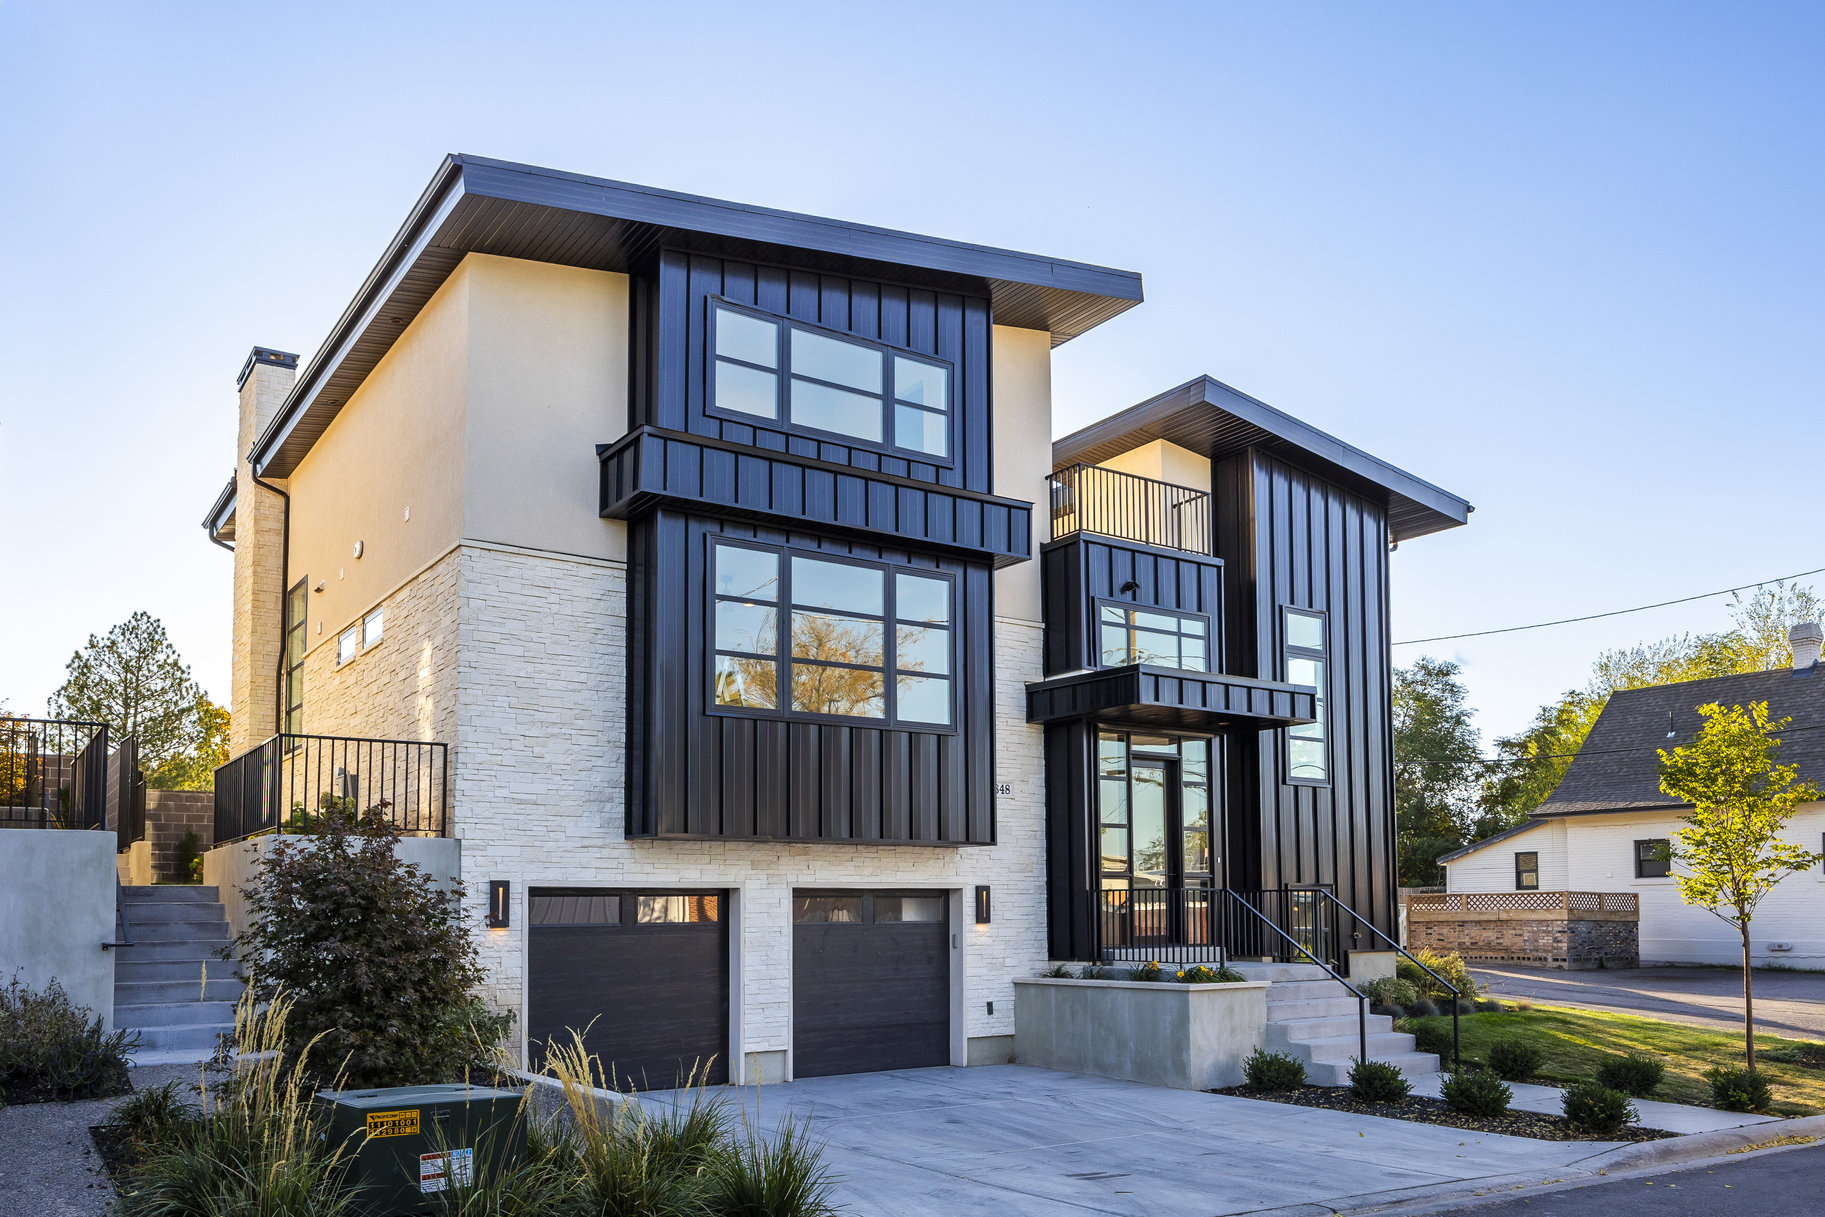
(1806, 638)
(259, 547)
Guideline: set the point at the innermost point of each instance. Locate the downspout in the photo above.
(278, 715)
(215, 540)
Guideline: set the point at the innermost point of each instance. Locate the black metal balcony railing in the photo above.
(289, 782)
(1188, 925)
(1090, 498)
(53, 773)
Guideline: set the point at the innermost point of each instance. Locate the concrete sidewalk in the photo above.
(1786, 1003)
(1012, 1140)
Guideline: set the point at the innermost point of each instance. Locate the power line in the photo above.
(1642, 608)
(1567, 756)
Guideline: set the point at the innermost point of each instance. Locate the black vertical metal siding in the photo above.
(695, 773)
(1289, 537)
(1072, 861)
(1078, 571)
(670, 364)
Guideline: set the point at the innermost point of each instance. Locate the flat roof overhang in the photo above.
(1167, 697)
(1212, 419)
(477, 205)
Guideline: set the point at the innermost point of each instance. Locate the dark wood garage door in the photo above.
(644, 974)
(870, 981)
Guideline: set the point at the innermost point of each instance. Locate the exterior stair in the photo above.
(160, 988)
(1312, 1017)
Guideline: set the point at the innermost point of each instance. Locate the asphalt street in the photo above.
(1786, 1003)
(1781, 1184)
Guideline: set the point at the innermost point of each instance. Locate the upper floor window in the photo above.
(1307, 661)
(1150, 636)
(1527, 871)
(814, 379)
(296, 602)
(1653, 859)
(863, 640)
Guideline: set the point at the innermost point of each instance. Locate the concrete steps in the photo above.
(172, 985)
(1313, 1017)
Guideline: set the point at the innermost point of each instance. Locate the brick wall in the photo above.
(169, 815)
(1560, 942)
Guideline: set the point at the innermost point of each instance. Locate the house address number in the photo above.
(1004, 790)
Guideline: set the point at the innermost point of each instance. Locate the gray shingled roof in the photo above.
(1618, 769)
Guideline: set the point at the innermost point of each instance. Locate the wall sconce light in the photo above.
(982, 906)
(498, 890)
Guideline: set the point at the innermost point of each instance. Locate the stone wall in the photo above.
(1562, 937)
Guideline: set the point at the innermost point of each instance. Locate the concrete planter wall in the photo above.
(1192, 1037)
(56, 909)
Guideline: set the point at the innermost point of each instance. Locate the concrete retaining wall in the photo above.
(1190, 1037)
(230, 868)
(56, 909)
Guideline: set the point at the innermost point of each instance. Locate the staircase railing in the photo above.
(1362, 1000)
(1457, 1057)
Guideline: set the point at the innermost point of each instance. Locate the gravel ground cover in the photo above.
(1434, 1111)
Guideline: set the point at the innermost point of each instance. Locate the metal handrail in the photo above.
(1093, 498)
(120, 915)
(1362, 1000)
(1457, 1055)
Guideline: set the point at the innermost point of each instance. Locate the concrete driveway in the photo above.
(1786, 1003)
(1012, 1141)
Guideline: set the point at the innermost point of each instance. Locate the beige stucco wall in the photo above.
(1164, 461)
(547, 383)
(1022, 388)
(480, 423)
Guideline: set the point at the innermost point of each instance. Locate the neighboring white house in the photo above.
(1603, 828)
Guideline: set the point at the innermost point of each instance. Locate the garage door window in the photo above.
(679, 910)
(823, 910)
(576, 910)
(909, 908)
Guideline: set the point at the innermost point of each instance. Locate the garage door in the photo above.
(870, 981)
(643, 974)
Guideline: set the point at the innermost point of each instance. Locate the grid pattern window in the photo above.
(817, 380)
(297, 603)
(1154, 821)
(863, 640)
(1150, 636)
(1527, 871)
(371, 627)
(1653, 859)
(1306, 660)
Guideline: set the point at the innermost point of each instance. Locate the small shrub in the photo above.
(1422, 1007)
(1096, 971)
(51, 1049)
(1739, 1089)
(777, 1174)
(1273, 1071)
(1151, 970)
(1449, 965)
(1377, 1082)
(154, 1117)
(1806, 1052)
(1488, 1005)
(1633, 1075)
(190, 856)
(1592, 1107)
(1475, 1092)
(1430, 1036)
(1059, 971)
(1202, 975)
(1514, 1061)
(1391, 995)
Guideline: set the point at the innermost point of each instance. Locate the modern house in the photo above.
(1605, 829)
(708, 576)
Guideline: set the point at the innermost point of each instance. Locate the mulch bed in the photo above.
(16, 1091)
(115, 1146)
(1434, 1111)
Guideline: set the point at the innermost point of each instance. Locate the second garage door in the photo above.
(644, 976)
(870, 981)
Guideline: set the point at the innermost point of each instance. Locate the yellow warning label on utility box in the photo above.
(392, 1123)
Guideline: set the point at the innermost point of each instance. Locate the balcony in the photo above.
(1090, 498)
(288, 782)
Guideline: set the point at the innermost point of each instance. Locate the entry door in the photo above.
(870, 981)
(644, 975)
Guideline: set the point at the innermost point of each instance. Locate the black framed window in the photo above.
(1527, 871)
(819, 380)
(863, 640)
(1653, 859)
(297, 602)
(1131, 634)
(1153, 810)
(1306, 661)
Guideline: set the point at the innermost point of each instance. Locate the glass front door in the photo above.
(1154, 830)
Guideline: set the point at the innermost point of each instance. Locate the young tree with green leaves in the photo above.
(1436, 764)
(1730, 851)
(135, 681)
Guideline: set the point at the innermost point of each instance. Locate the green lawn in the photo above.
(1575, 1041)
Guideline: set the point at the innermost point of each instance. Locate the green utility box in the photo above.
(407, 1143)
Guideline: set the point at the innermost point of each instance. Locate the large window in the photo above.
(1153, 811)
(828, 382)
(1653, 859)
(296, 602)
(1307, 662)
(1150, 636)
(1527, 871)
(865, 639)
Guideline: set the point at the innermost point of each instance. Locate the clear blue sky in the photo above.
(1562, 259)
